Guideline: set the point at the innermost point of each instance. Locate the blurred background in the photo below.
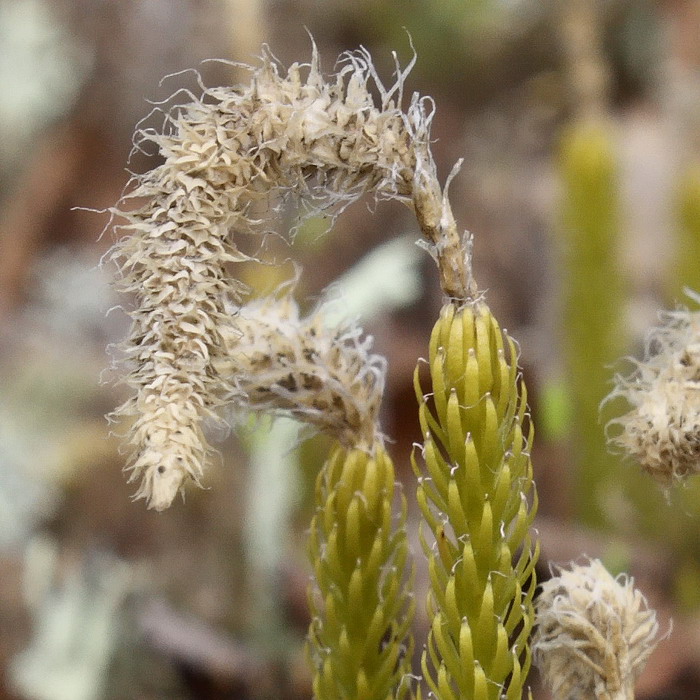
(579, 125)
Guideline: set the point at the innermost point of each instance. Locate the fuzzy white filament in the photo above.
(594, 634)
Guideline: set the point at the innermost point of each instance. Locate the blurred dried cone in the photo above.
(662, 430)
(594, 634)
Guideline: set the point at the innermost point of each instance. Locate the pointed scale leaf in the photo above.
(439, 387)
(446, 648)
(454, 366)
(483, 353)
(455, 433)
(455, 509)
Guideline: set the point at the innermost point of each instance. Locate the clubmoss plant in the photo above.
(302, 366)
(194, 347)
(686, 268)
(360, 643)
(197, 344)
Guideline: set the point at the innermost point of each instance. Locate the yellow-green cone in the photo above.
(359, 640)
(477, 496)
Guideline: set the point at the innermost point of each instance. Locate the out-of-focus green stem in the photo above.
(593, 302)
(687, 259)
